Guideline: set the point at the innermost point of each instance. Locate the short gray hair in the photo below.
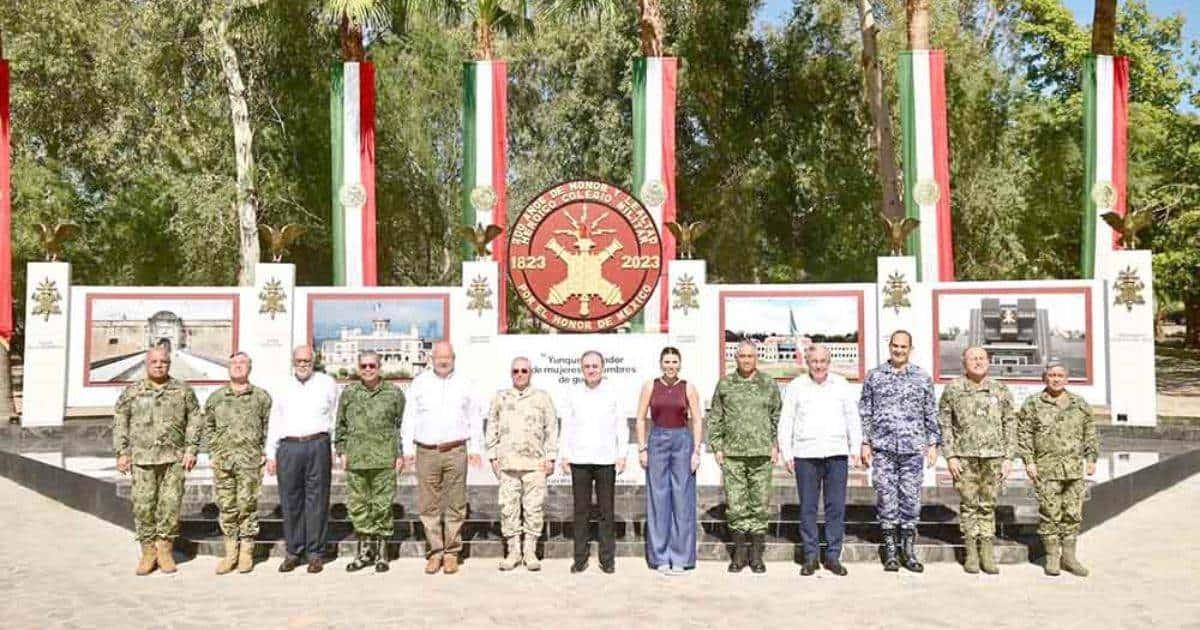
(1054, 363)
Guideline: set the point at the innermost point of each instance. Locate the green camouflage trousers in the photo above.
(237, 499)
(157, 499)
(977, 487)
(747, 493)
(1060, 506)
(521, 489)
(369, 494)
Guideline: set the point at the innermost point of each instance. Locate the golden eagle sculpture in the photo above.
(478, 238)
(1129, 225)
(53, 237)
(898, 231)
(685, 236)
(278, 240)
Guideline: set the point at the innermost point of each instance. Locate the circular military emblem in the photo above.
(654, 192)
(926, 192)
(584, 256)
(1104, 194)
(483, 198)
(353, 195)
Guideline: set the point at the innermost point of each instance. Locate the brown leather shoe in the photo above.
(289, 564)
(433, 565)
(451, 564)
(315, 565)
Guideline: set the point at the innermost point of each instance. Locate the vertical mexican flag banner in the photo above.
(927, 161)
(654, 85)
(1105, 145)
(352, 120)
(6, 299)
(484, 195)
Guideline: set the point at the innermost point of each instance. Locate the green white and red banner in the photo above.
(654, 89)
(352, 118)
(484, 195)
(1106, 144)
(927, 161)
(6, 298)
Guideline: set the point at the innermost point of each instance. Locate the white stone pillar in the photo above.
(475, 323)
(47, 314)
(903, 303)
(1129, 308)
(269, 339)
(690, 328)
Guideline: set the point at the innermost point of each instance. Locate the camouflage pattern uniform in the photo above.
(742, 424)
(368, 433)
(522, 434)
(236, 428)
(979, 427)
(156, 425)
(899, 419)
(1059, 436)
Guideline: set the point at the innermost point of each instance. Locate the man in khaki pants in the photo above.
(441, 434)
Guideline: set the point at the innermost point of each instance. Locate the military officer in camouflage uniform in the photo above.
(900, 439)
(1057, 441)
(979, 438)
(156, 433)
(367, 439)
(522, 438)
(741, 433)
(235, 424)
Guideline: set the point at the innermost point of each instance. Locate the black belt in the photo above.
(306, 438)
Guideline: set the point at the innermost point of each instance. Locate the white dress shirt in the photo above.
(594, 431)
(439, 410)
(819, 419)
(302, 408)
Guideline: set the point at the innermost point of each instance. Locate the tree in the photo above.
(1104, 27)
(487, 18)
(352, 18)
(880, 138)
(917, 14)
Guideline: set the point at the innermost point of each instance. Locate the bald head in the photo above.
(302, 362)
(975, 363)
(443, 358)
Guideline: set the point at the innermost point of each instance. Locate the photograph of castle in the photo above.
(400, 328)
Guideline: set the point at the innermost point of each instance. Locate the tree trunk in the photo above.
(350, 38)
(650, 27)
(917, 12)
(485, 47)
(881, 117)
(1192, 311)
(246, 206)
(1104, 27)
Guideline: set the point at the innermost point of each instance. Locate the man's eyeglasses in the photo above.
(368, 366)
(520, 370)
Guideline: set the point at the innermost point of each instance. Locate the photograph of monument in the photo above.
(400, 328)
(199, 330)
(1021, 329)
(782, 324)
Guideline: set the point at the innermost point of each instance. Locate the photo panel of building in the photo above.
(1021, 329)
(200, 331)
(401, 329)
(782, 324)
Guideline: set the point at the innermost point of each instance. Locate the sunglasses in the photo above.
(520, 370)
(368, 366)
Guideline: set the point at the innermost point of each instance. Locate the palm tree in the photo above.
(487, 19)
(917, 12)
(352, 17)
(651, 27)
(1104, 27)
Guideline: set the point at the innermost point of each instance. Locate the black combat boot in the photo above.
(758, 544)
(362, 556)
(908, 554)
(738, 561)
(381, 557)
(890, 561)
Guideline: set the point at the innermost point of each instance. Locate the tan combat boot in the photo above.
(165, 561)
(1070, 563)
(228, 562)
(530, 554)
(987, 556)
(147, 561)
(513, 558)
(971, 562)
(1053, 555)
(245, 555)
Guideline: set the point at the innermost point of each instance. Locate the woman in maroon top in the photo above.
(670, 454)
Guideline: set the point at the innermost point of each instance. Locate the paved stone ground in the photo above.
(63, 568)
